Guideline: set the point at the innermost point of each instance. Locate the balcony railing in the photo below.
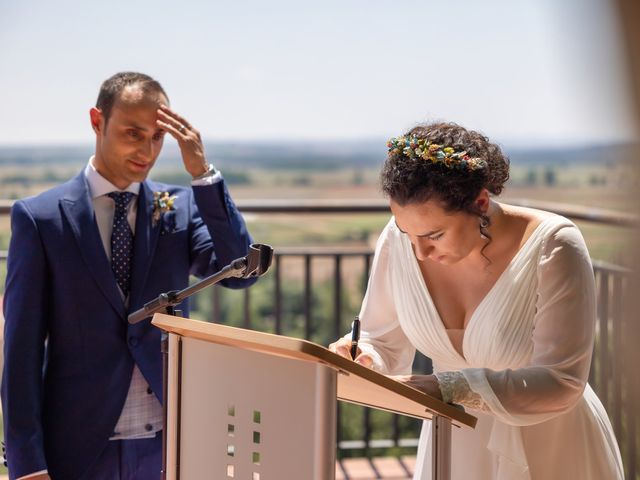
(313, 293)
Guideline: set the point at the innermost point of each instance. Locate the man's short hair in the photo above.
(113, 86)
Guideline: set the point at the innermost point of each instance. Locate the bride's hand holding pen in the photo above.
(349, 348)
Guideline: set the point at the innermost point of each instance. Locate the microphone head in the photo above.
(258, 260)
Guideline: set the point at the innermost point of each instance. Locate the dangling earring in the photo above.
(484, 223)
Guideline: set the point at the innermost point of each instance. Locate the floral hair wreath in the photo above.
(414, 147)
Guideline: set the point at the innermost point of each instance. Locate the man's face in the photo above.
(128, 144)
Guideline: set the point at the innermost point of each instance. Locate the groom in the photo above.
(82, 389)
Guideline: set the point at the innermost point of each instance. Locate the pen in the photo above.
(355, 336)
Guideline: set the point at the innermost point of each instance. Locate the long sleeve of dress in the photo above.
(381, 335)
(556, 375)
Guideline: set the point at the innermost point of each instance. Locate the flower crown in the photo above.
(414, 147)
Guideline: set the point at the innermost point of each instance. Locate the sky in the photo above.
(527, 72)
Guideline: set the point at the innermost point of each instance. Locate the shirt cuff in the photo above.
(31, 475)
(210, 180)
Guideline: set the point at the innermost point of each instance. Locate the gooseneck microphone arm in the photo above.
(255, 264)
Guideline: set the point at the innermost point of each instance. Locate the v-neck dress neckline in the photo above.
(438, 319)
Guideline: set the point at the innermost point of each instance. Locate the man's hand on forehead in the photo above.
(188, 139)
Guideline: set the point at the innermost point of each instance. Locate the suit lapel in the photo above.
(144, 245)
(78, 208)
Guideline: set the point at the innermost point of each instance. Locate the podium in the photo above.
(255, 406)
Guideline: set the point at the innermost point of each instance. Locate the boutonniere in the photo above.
(162, 203)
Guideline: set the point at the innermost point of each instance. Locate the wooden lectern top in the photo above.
(356, 384)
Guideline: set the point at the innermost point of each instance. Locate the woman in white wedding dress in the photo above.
(501, 298)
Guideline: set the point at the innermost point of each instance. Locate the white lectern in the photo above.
(254, 406)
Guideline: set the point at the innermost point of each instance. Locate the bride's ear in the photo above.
(482, 201)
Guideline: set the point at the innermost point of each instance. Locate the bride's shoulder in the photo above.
(390, 234)
(557, 233)
(546, 226)
(533, 215)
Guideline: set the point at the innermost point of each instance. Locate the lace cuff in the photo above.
(455, 389)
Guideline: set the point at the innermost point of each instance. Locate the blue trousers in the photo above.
(128, 460)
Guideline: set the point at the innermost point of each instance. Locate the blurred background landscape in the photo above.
(595, 176)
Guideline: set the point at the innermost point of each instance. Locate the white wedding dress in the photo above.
(526, 357)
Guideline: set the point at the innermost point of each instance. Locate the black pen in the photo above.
(355, 336)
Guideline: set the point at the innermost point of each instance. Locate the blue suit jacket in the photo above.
(69, 351)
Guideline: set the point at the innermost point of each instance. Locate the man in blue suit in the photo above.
(82, 389)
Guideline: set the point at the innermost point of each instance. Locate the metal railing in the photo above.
(313, 293)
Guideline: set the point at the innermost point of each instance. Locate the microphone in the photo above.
(258, 260)
(254, 264)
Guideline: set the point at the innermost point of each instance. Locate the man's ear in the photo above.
(97, 120)
(482, 201)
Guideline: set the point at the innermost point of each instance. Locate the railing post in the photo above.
(337, 297)
(247, 308)
(618, 368)
(603, 346)
(278, 293)
(215, 301)
(307, 297)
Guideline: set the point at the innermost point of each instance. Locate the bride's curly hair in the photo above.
(412, 180)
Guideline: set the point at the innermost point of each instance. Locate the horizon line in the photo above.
(531, 144)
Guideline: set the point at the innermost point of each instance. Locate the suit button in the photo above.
(148, 427)
(133, 341)
(149, 391)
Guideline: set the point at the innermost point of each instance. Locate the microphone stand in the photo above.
(255, 264)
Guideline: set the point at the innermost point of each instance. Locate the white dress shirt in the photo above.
(141, 415)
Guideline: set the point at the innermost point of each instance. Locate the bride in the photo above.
(501, 298)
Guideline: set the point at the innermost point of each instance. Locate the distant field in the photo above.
(601, 187)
